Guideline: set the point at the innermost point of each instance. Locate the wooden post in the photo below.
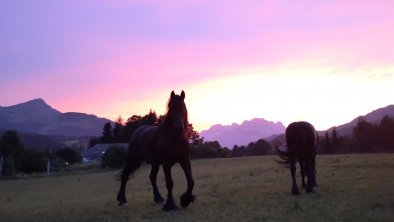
(49, 167)
(1, 166)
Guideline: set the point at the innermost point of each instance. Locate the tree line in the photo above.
(366, 137)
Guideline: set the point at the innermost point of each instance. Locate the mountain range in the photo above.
(36, 116)
(251, 131)
(244, 133)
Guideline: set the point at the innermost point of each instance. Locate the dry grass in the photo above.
(351, 188)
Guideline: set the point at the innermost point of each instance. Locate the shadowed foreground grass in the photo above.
(351, 188)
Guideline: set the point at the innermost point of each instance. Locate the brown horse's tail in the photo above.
(283, 153)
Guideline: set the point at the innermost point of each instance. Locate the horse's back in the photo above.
(143, 139)
(301, 135)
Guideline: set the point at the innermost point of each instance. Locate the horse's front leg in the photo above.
(187, 197)
(153, 178)
(170, 204)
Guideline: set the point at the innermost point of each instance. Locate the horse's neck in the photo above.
(169, 132)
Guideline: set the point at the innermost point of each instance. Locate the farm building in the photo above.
(96, 152)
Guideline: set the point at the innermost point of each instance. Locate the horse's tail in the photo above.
(118, 176)
(122, 173)
(130, 167)
(133, 160)
(317, 142)
(283, 153)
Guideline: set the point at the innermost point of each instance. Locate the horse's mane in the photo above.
(167, 116)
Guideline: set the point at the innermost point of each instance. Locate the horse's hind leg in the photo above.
(294, 189)
(130, 167)
(302, 169)
(124, 176)
(310, 172)
(153, 177)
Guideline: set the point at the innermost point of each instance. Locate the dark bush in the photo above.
(8, 166)
(69, 155)
(33, 161)
(114, 157)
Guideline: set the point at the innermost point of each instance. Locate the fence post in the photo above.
(49, 167)
(1, 166)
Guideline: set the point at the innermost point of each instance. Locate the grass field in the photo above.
(351, 188)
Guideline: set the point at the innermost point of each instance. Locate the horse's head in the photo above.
(176, 116)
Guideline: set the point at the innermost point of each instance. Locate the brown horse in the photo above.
(302, 143)
(164, 145)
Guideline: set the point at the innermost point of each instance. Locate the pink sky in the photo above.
(321, 61)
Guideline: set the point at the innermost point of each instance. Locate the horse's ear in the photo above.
(183, 94)
(172, 94)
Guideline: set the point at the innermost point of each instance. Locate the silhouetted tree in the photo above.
(334, 136)
(210, 149)
(224, 152)
(335, 141)
(69, 155)
(364, 135)
(12, 151)
(261, 147)
(9, 166)
(385, 134)
(10, 145)
(93, 141)
(238, 151)
(136, 121)
(33, 161)
(131, 125)
(150, 118)
(327, 144)
(160, 119)
(193, 135)
(117, 131)
(107, 133)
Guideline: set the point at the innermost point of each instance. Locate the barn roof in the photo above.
(98, 150)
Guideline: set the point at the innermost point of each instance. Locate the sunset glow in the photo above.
(325, 62)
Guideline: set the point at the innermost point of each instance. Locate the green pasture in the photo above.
(351, 188)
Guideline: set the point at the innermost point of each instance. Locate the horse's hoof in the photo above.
(121, 199)
(158, 199)
(311, 190)
(121, 203)
(187, 199)
(169, 206)
(295, 192)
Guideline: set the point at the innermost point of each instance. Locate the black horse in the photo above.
(302, 143)
(165, 145)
